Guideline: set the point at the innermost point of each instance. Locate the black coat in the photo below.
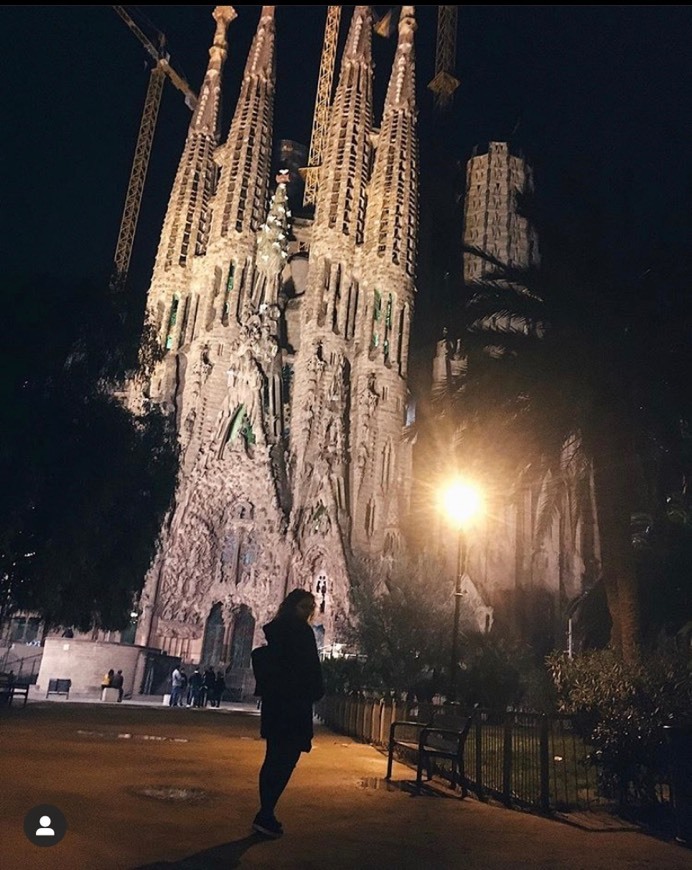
(287, 705)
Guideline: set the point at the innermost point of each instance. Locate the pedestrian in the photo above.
(219, 688)
(178, 683)
(194, 692)
(108, 679)
(209, 684)
(291, 683)
(117, 683)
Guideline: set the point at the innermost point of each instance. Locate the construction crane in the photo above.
(147, 127)
(320, 120)
(445, 83)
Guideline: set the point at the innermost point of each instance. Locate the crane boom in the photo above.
(133, 199)
(145, 138)
(445, 82)
(146, 42)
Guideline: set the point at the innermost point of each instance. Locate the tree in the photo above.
(400, 625)
(574, 355)
(86, 481)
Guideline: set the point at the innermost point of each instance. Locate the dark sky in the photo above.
(595, 92)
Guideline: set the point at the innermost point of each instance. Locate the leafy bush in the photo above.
(400, 630)
(344, 675)
(620, 711)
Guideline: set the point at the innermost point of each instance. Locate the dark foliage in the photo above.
(86, 483)
(580, 353)
(399, 625)
(620, 710)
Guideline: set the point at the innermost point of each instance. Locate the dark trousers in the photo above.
(279, 761)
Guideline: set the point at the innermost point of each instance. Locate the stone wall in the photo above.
(85, 662)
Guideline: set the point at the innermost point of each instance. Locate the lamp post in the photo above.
(462, 503)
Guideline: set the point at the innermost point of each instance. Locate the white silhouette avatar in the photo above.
(45, 830)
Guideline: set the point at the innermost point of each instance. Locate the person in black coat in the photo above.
(208, 687)
(294, 683)
(117, 682)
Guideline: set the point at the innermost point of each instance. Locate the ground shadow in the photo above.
(409, 787)
(224, 856)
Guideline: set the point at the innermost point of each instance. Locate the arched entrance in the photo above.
(239, 679)
(241, 642)
(212, 645)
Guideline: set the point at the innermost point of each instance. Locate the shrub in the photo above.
(620, 710)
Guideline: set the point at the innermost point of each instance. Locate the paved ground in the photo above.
(117, 771)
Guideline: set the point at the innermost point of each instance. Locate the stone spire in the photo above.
(392, 221)
(341, 207)
(186, 225)
(388, 268)
(241, 201)
(319, 422)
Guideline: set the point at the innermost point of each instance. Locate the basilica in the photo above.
(286, 354)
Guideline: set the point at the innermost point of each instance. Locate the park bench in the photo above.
(427, 741)
(59, 687)
(10, 689)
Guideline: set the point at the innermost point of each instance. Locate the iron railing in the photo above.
(525, 760)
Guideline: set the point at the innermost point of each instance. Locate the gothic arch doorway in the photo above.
(241, 642)
(214, 630)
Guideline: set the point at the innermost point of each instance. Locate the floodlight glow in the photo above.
(462, 502)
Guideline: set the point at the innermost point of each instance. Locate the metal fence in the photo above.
(525, 760)
(24, 668)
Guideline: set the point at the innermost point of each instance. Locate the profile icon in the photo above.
(45, 830)
(45, 825)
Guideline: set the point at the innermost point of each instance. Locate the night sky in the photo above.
(594, 93)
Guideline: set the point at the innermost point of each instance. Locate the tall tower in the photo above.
(381, 471)
(223, 558)
(285, 356)
(517, 568)
(320, 450)
(186, 226)
(491, 220)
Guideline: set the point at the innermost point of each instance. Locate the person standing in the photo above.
(219, 688)
(292, 682)
(117, 683)
(177, 684)
(208, 688)
(194, 692)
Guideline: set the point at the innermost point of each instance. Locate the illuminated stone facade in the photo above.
(286, 355)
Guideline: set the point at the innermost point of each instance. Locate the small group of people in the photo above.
(113, 680)
(197, 690)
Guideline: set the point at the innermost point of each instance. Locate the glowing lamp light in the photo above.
(462, 502)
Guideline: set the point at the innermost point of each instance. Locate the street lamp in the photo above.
(462, 502)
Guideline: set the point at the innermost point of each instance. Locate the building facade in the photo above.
(528, 571)
(286, 365)
(286, 354)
